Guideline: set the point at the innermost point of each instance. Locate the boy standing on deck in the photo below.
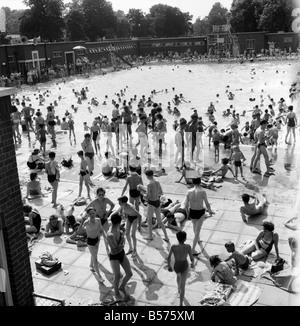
(153, 194)
(181, 266)
(238, 158)
(133, 180)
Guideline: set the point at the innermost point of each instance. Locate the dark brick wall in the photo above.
(12, 220)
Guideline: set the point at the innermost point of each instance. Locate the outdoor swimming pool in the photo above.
(199, 84)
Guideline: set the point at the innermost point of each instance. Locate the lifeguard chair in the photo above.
(222, 41)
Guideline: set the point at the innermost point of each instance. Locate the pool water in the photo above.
(198, 83)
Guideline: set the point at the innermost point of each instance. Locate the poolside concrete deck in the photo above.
(152, 284)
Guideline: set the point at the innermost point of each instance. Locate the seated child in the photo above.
(188, 173)
(222, 171)
(245, 139)
(241, 261)
(33, 221)
(54, 226)
(221, 271)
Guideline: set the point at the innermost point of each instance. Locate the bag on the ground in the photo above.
(47, 259)
(80, 201)
(278, 266)
(67, 163)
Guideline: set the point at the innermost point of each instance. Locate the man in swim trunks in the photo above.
(291, 123)
(93, 227)
(116, 241)
(261, 148)
(254, 207)
(133, 180)
(132, 217)
(181, 266)
(84, 174)
(194, 200)
(89, 153)
(153, 193)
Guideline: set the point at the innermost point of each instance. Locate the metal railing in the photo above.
(45, 301)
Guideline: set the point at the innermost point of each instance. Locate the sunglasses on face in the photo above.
(101, 195)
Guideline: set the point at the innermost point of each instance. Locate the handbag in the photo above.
(278, 266)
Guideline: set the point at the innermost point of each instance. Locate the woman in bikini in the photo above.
(93, 227)
(181, 266)
(194, 200)
(263, 244)
(116, 241)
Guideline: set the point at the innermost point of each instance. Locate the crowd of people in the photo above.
(117, 220)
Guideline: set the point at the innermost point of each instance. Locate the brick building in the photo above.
(15, 270)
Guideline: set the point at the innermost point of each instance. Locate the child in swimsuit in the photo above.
(181, 266)
(132, 217)
(133, 180)
(241, 261)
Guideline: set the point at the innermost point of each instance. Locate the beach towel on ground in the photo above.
(245, 294)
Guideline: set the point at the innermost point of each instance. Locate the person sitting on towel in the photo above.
(241, 261)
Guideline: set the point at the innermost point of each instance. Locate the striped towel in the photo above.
(245, 294)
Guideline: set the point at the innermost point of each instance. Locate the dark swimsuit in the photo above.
(90, 155)
(51, 178)
(92, 241)
(182, 211)
(131, 218)
(291, 122)
(95, 135)
(134, 193)
(155, 203)
(270, 245)
(37, 221)
(165, 211)
(119, 256)
(245, 265)
(181, 266)
(82, 173)
(237, 163)
(103, 221)
(262, 144)
(196, 214)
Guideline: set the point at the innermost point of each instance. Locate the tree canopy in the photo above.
(44, 19)
(94, 19)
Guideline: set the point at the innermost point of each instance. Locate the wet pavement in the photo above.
(152, 284)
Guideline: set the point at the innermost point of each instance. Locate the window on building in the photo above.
(288, 39)
(199, 43)
(11, 58)
(156, 44)
(185, 43)
(57, 54)
(250, 44)
(169, 44)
